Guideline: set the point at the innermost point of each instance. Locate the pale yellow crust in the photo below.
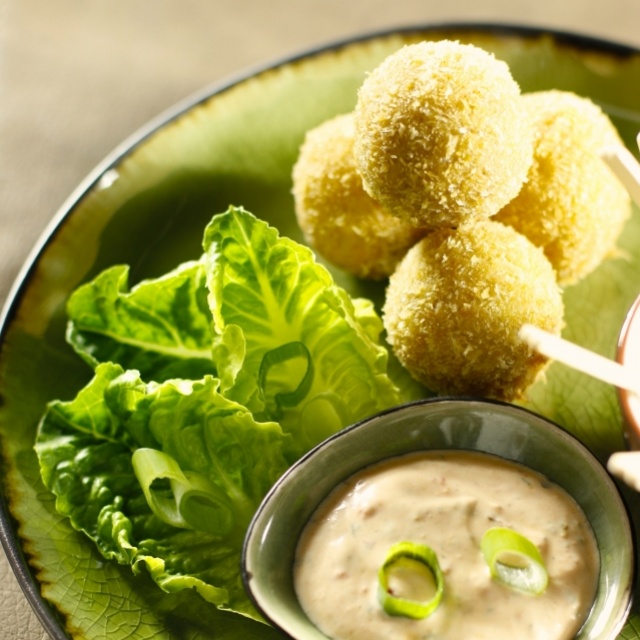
(455, 305)
(441, 137)
(572, 205)
(337, 217)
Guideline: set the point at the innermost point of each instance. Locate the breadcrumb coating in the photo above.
(337, 217)
(456, 302)
(571, 205)
(441, 136)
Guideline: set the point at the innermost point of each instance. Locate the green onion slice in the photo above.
(158, 475)
(204, 506)
(514, 560)
(397, 606)
(271, 375)
(183, 499)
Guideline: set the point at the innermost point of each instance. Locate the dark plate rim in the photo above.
(9, 537)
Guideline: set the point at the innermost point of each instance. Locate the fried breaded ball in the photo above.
(441, 137)
(337, 217)
(456, 302)
(571, 205)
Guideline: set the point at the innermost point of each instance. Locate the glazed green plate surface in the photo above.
(147, 206)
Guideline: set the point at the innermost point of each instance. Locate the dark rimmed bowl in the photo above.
(503, 430)
(146, 205)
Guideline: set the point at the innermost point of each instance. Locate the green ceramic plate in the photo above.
(147, 206)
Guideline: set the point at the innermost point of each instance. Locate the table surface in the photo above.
(77, 77)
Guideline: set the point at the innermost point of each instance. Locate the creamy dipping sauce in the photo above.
(447, 501)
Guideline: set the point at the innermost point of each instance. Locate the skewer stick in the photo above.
(623, 163)
(623, 464)
(579, 358)
(626, 466)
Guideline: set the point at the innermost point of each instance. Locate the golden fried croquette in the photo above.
(571, 205)
(338, 219)
(441, 136)
(456, 302)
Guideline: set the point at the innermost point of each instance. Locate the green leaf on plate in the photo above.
(160, 327)
(85, 450)
(289, 342)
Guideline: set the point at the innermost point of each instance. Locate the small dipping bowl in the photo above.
(497, 428)
(628, 355)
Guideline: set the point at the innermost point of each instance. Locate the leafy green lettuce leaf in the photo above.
(258, 312)
(161, 327)
(163, 464)
(85, 448)
(288, 342)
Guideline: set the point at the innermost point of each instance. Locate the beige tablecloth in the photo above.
(78, 76)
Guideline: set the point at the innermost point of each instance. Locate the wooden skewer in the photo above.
(624, 464)
(623, 163)
(579, 358)
(627, 168)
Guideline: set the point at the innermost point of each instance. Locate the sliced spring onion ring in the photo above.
(186, 499)
(396, 606)
(514, 560)
(151, 466)
(204, 506)
(287, 352)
